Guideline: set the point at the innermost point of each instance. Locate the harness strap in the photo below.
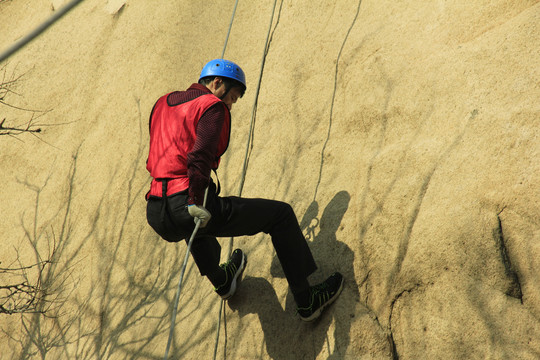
(164, 183)
(218, 183)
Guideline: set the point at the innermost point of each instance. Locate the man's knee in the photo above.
(287, 210)
(284, 217)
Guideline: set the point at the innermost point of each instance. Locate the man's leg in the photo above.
(224, 277)
(234, 216)
(171, 220)
(206, 253)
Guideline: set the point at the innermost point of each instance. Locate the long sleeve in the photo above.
(203, 154)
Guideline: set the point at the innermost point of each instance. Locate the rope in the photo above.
(197, 225)
(37, 31)
(248, 145)
(179, 288)
(253, 112)
(230, 245)
(229, 31)
(241, 187)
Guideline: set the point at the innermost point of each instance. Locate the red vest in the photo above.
(172, 136)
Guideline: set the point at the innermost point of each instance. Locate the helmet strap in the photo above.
(224, 94)
(227, 89)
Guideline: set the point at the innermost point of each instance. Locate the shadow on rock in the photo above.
(282, 329)
(285, 335)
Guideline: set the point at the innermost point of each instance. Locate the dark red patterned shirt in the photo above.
(200, 159)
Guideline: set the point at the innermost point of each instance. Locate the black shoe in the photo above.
(233, 269)
(321, 296)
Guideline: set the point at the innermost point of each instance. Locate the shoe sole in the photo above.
(232, 290)
(319, 311)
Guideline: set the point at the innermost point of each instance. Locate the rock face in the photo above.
(404, 134)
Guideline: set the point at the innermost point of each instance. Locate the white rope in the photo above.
(244, 170)
(253, 111)
(248, 145)
(229, 31)
(230, 246)
(179, 288)
(197, 225)
(37, 31)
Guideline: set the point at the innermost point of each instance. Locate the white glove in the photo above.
(199, 213)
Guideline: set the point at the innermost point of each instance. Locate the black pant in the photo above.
(234, 216)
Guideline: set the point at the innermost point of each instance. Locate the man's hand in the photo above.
(199, 212)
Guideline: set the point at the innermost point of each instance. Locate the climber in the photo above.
(189, 132)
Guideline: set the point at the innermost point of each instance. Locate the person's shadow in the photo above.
(286, 336)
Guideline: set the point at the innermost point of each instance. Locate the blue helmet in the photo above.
(224, 68)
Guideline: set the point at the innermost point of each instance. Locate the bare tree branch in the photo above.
(7, 84)
(22, 294)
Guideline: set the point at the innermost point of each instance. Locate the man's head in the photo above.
(225, 79)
